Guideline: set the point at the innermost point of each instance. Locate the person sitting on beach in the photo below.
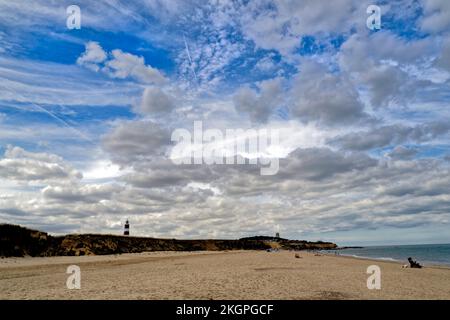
(414, 264)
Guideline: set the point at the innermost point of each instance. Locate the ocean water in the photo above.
(425, 254)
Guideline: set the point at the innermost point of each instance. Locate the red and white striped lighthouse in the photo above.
(126, 231)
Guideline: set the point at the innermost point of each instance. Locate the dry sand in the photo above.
(217, 275)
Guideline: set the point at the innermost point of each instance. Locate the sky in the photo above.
(87, 116)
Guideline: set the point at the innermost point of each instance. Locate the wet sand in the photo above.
(217, 275)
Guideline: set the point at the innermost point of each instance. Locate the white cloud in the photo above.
(281, 24)
(265, 64)
(383, 69)
(120, 65)
(124, 65)
(102, 169)
(93, 55)
(49, 83)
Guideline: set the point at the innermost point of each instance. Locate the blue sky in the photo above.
(86, 117)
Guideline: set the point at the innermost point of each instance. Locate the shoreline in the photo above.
(29, 260)
(425, 264)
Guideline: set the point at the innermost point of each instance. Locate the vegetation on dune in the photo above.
(17, 241)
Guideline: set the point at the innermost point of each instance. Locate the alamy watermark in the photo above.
(374, 280)
(235, 146)
(74, 280)
(373, 22)
(74, 17)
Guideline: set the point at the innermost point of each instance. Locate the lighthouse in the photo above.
(126, 230)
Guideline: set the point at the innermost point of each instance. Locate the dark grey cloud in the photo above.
(319, 95)
(402, 153)
(386, 84)
(322, 163)
(155, 102)
(392, 134)
(436, 17)
(13, 212)
(434, 185)
(259, 106)
(443, 60)
(84, 193)
(131, 141)
(375, 138)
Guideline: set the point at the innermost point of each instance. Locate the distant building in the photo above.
(277, 235)
(126, 231)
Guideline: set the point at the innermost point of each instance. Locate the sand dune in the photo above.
(217, 275)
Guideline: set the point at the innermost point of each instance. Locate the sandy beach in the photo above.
(217, 275)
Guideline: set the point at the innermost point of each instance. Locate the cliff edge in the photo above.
(17, 241)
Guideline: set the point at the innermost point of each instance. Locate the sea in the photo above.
(425, 254)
